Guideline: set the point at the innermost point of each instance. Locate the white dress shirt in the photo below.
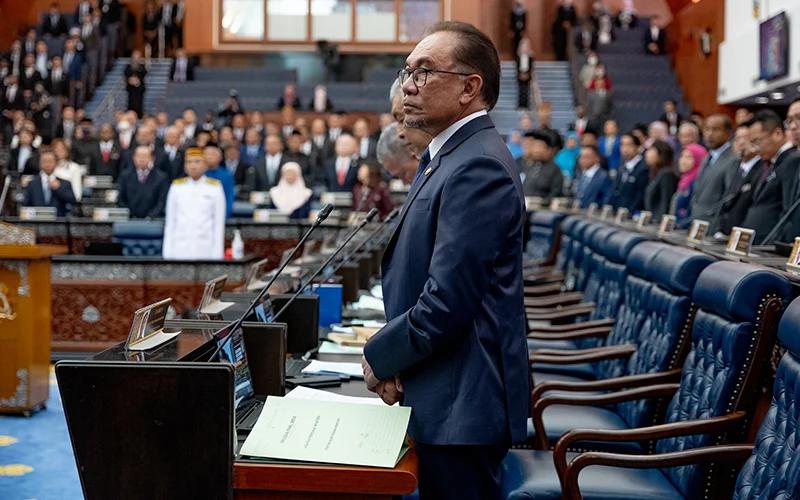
(23, 155)
(629, 165)
(746, 166)
(364, 147)
(441, 139)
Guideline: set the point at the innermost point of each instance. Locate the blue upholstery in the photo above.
(565, 246)
(243, 209)
(773, 470)
(139, 238)
(575, 261)
(543, 227)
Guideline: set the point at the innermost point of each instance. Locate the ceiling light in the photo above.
(777, 95)
(761, 100)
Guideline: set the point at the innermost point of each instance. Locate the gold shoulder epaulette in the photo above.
(181, 180)
(214, 182)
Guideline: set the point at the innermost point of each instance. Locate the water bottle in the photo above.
(237, 246)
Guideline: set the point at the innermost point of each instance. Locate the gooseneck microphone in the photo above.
(323, 214)
(371, 215)
(364, 196)
(771, 235)
(3, 195)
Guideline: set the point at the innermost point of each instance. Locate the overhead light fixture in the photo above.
(777, 95)
(761, 100)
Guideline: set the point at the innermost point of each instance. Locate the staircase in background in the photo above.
(641, 83)
(555, 87)
(157, 79)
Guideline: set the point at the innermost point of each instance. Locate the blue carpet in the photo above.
(36, 461)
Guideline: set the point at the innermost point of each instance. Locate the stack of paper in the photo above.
(331, 432)
(334, 368)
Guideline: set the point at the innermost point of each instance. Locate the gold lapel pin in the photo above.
(429, 170)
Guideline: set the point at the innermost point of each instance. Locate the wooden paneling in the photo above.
(698, 73)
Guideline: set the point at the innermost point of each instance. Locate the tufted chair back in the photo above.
(594, 258)
(773, 470)
(575, 262)
(543, 230)
(663, 339)
(610, 275)
(565, 246)
(139, 238)
(732, 335)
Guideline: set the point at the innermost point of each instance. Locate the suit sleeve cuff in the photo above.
(391, 350)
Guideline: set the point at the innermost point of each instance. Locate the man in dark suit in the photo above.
(182, 69)
(143, 190)
(252, 150)
(716, 171)
(234, 164)
(47, 190)
(632, 178)
(29, 76)
(15, 57)
(289, 98)
(29, 42)
(367, 144)
(54, 23)
(268, 168)
(655, 39)
(12, 99)
(539, 175)
(586, 40)
(66, 126)
(671, 117)
(773, 193)
(610, 144)
(293, 153)
(453, 348)
(105, 158)
(341, 173)
(594, 182)
(170, 157)
(739, 195)
(23, 158)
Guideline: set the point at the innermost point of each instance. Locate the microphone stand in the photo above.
(768, 238)
(323, 214)
(372, 213)
(4, 194)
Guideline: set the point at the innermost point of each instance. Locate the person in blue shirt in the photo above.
(213, 157)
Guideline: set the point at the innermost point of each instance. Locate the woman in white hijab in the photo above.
(320, 103)
(291, 196)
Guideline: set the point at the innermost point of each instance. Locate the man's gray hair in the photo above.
(690, 126)
(396, 89)
(390, 144)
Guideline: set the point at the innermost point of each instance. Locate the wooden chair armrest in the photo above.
(565, 352)
(722, 453)
(578, 334)
(538, 280)
(609, 384)
(578, 357)
(652, 391)
(543, 290)
(715, 425)
(567, 312)
(554, 300)
(573, 327)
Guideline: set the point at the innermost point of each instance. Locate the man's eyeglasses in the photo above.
(420, 75)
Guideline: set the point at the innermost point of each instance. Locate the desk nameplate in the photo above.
(740, 241)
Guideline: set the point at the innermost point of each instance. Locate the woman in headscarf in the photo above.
(568, 157)
(291, 196)
(689, 163)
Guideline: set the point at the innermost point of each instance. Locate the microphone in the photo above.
(388, 219)
(364, 197)
(371, 215)
(323, 214)
(768, 238)
(3, 195)
(718, 211)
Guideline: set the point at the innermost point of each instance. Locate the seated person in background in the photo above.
(514, 144)
(66, 128)
(68, 170)
(293, 145)
(539, 174)
(546, 125)
(234, 164)
(47, 190)
(289, 97)
(268, 168)
(320, 103)
(688, 133)
(291, 196)
(203, 139)
(336, 126)
(252, 150)
(143, 189)
(366, 143)
(689, 166)
(23, 158)
(54, 23)
(594, 182)
(395, 155)
(671, 117)
(655, 39)
(215, 170)
(182, 69)
(105, 160)
(372, 185)
(589, 138)
(238, 126)
(609, 144)
(341, 173)
(567, 158)
(663, 181)
(632, 177)
(169, 159)
(84, 143)
(739, 195)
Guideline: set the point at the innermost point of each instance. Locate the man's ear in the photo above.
(473, 85)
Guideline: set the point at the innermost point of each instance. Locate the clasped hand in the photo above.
(390, 391)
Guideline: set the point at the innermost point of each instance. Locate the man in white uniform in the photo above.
(195, 215)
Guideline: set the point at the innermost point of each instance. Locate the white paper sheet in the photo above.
(333, 367)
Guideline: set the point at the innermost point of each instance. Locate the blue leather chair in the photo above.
(565, 246)
(544, 228)
(139, 238)
(649, 337)
(242, 210)
(564, 277)
(732, 337)
(772, 463)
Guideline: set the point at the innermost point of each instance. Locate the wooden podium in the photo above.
(24, 319)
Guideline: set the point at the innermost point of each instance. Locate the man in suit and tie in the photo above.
(24, 157)
(90, 36)
(15, 57)
(58, 86)
(632, 177)
(594, 182)
(366, 143)
(586, 40)
(293, 153)
(268, 168)
(716, 172)
(182, 69)
(13, 99)
(234, 164)
(792, 226)
(453, 348)
(671, 117)
(72, 61)
(47, 190)
(341, 173)
(84, 8)
(252, 150)
(29, 76)
(54, 24)
(29, 43)
(655, 39)
(143, 189)
(336, 127)
(171, 161)
(774, 192)
(739, 195)
(610, 144)
(105, 158)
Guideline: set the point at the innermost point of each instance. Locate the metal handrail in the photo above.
(108, 104)
(536, 90)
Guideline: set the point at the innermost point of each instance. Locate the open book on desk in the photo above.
(329, 432)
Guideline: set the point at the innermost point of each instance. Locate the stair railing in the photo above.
(104, 113)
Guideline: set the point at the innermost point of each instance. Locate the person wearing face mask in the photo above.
(587, 72)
